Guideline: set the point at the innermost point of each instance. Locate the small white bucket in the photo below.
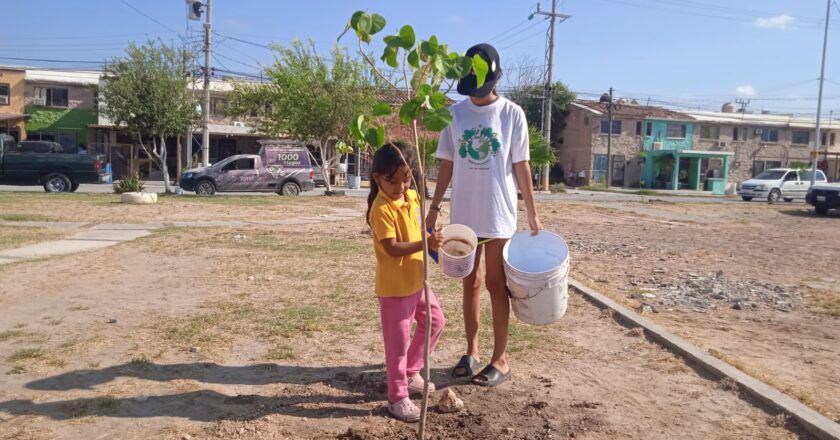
(460, 262)
(537, 270)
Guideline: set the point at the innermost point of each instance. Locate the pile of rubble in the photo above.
(701, 293)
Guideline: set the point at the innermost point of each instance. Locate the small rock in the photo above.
(509, 431)
(737, 305)
(648, 296)
(251, 278)
(186, 437)
(450, 402)
(194, 349)
(241, 431)
(141, 398)
(111, 321)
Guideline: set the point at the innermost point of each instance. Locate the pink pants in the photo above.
(404, 357)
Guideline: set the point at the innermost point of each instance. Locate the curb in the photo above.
(813, 422)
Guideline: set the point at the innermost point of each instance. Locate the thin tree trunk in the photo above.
(164, 168)
(325, 163)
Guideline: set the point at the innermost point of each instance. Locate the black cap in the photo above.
(467, 84)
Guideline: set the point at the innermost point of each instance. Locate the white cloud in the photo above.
(775, 22)
(745, 91)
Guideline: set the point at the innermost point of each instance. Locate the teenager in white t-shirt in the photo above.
(484, 153)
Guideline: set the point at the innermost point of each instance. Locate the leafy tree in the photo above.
(541, 153)
(309, 97)
(530, 98)
(146, 92)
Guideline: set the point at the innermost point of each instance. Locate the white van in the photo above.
(779, 183)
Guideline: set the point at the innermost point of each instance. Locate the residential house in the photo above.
(60, 105)
(12, 109)
(760, 141)
(582, 149)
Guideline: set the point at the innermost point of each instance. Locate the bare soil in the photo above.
(272, 332)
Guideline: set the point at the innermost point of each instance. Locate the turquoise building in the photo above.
(670, 162)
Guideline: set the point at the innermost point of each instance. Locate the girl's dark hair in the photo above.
(386, 161)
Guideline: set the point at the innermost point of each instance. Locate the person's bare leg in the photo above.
(499, 301)
(472, 308)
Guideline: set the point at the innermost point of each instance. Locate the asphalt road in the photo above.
(571, 195)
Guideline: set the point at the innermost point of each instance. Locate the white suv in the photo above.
(779, 183)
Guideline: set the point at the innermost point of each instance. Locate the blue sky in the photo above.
(686, 53)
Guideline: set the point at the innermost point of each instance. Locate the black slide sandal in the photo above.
(468, 364)
(492, 375)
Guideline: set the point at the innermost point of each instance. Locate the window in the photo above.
(217, 106)
(734, 133)
(760, 165)
(830, 138)
(770, 135)
(805, 176)
(616, 127)
(599, 167)
(638, 128)
(240, 164)
(57, 97)
(709, 132)
(790, 177)
(676, 131)
(4, 94)
(649, 129)
(801, 137)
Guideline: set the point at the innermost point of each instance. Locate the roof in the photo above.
(78, 77)
(762, 119)
(632, 111)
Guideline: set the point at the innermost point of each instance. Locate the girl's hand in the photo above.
(431, 218)
(434, 240)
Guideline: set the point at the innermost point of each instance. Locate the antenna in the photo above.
(743, 103)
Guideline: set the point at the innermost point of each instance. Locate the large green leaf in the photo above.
(377, 23)
(390, 56)
(414, 59)
(410, 110)
(407, 38)
(424, 90)
(419, 78)
(381, 109)
(361, 22)
(437, 100)
(480, 68)
(437, 119)
(357, 128)
(429, 47)
(375, 136)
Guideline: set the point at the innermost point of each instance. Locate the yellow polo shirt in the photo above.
(397, 276)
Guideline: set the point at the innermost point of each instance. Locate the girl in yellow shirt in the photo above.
(394, 218)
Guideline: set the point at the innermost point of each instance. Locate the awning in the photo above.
(12, 116)
(691, 153)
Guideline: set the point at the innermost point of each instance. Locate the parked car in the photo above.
(779, 183)
(283, 170)
(56, 171)
(824, 196)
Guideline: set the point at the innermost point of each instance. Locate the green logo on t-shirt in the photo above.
(479, 143)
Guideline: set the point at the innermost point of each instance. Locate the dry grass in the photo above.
(91, 207)
(13, 236)
(826, 301)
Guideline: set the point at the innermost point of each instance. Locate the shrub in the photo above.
(131, 183)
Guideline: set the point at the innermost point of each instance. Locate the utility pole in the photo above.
(205, 110)
(817, 139)
(549, 86)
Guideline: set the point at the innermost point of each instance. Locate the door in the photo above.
(240, 175)
(599, 168)
(618, 166)
(791, 186)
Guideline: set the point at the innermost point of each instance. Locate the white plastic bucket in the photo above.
(458, 266)
(537, 270)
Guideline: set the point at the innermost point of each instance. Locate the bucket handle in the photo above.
(547, 285)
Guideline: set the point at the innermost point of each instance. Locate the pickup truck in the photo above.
(280, 169)
(57, 172)
(824, 196)
(779, 183)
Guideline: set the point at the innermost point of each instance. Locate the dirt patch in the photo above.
(188, 320)
(730, 277)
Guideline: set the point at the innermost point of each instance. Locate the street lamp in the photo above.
(607, 103)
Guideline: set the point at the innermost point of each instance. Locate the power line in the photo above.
(152, 19)
(43, 60)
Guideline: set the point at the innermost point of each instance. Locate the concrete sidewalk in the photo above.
(101, 236)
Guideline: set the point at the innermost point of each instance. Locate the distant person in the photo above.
(394, 218)
(484, 152)
(82, 149)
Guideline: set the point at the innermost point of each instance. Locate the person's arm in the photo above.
(395, 248)
(522, 171)
(444, 178)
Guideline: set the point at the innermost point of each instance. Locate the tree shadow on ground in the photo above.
(304, 398)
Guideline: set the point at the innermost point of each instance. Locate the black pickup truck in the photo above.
(824, 196)
(56, 171)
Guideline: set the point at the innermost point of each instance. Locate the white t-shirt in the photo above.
(484, 143)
